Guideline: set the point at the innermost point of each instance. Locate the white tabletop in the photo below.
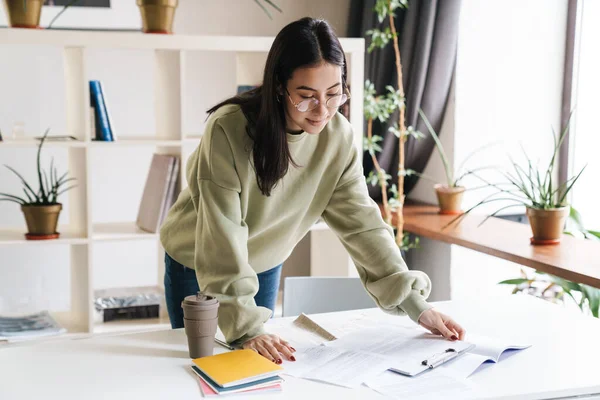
(155, 365)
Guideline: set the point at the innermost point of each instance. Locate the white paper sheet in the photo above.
(337, 366)
(404, 347)
(492, 347)
(486, 349)
(308, 359)
(431, 385)
(465, 365)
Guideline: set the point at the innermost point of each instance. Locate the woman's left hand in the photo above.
(440, 324)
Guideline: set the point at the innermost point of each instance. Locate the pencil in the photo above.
(222, 343)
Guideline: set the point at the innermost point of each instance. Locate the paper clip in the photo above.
(440, 358)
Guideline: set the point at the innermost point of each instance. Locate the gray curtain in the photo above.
(428, 32)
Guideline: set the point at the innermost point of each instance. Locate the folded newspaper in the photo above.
(39, 324)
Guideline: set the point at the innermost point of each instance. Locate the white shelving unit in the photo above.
(81, 234)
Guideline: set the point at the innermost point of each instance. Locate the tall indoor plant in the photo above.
(381, 107)
(41, 207)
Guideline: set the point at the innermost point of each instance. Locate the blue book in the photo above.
(103, 128)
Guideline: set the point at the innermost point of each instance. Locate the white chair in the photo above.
(312, 295)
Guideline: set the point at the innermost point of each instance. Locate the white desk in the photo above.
(563, 360)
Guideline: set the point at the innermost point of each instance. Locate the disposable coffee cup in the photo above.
(200, 323)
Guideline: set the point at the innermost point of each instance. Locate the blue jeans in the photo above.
(181, 282)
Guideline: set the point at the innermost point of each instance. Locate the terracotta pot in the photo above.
(547, 226)
(157, 15)
(449, 198)
(23, 14)
(41, 220)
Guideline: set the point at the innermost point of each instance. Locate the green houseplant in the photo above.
(380, 108)
(555, 289)
(41, 207)
(545, 199)
(450, 193)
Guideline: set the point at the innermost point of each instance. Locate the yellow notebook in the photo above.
(237, 367)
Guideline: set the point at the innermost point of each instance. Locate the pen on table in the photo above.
(222, 343)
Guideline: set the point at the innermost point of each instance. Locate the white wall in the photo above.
(508, 85)
(33, 93)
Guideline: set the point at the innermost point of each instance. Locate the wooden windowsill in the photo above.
(574, 259)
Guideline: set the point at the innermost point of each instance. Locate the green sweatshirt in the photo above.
(223, 226)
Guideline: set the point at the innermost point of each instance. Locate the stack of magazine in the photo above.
(29, 326)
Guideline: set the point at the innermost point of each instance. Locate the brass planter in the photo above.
(547, 226)
(449, 198)
(23, 14)
(41, 220)
(157, 15)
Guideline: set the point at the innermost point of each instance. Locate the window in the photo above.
(585, 140)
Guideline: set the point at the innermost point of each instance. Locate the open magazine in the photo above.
(33, 325)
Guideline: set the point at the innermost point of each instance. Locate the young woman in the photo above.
(270, 164)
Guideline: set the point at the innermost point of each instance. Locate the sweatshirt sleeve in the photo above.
(221, 251)
(357, 221)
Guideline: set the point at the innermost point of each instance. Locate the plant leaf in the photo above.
(64, 190)
(561, 200)
(438, 143)
(22, 180)
(472, 153)
(516, 281)
(593, 297)
(10, 197)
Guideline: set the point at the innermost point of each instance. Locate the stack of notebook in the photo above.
(238, 371)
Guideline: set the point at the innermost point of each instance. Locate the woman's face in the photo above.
(320, 82)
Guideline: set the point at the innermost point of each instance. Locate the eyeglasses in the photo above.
(334, 101)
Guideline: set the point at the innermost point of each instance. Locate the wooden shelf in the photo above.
(17, 237)
(573, 259)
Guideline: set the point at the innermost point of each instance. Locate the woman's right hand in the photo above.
(272, 347)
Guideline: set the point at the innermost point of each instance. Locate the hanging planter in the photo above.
(23, 13)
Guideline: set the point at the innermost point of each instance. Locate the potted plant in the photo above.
(545, 200)
(158, 15)
(555, 289)
(23, 13)
(449, 194)
(41, 207)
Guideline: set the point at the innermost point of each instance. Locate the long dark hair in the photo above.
(302, 43)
